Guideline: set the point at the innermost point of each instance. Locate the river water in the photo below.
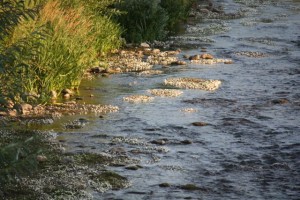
(251, 146)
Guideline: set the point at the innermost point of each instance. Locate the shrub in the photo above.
(53, 50)
(177, 11)
(143, 20)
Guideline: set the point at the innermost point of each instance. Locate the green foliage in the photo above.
(51, 49)
(177, 11)
(144, 20)
(17, 160)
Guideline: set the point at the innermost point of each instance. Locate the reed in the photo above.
(53, 50)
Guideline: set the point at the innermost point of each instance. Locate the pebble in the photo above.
(164, 185)
(186, 142)
(159, 141)
(199, 124)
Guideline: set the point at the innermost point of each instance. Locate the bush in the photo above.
(52, 50)
(143, 20)
(177, 11)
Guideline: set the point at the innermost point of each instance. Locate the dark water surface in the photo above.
(251, 147)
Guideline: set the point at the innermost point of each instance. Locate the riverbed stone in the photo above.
(190, 187)
(116, 181)
(199, 124)
(138, 99)
(160, 141)
(23, 108)
(165, 92)
(164, 185)
(193, 83)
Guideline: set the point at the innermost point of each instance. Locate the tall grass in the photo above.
(143, 20)
(53, 50)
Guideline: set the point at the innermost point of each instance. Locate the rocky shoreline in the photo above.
(64, 175)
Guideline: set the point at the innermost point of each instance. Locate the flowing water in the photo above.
(250, 148)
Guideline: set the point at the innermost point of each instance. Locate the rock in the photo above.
(138, 99)
(96, 70)
(228, 62)
(23, 108)
(159, 141)
(199, 124)
(280, 101)
(156, 51)
(41, 158)
(53, 94)
(117, 151)
(2, 113)
(133, 167)
(115, 180)
(179, 62)
(186, 56)
(189, 187)
(206, 56)
(145, 45)
(164, 185)
(186, 142)
(194, 57)
(165, 92)
(67, 91)
(193, 83)
(66, 96)
(12, 113)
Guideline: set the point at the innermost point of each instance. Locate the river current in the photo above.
(250, 148)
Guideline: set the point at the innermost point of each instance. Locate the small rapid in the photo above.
(249, 146)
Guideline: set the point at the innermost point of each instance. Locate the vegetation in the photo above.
(144, 20)
(47, 45)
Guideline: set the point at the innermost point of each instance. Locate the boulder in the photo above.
(23, 108)
(145, 45)
(206, 56)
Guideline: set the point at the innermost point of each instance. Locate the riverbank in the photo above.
(236, 141)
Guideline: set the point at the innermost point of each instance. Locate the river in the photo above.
(251, 146)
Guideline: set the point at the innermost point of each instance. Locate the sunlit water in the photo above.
(251, 147)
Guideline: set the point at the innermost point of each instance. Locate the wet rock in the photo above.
(138, 99)
(2, 113)
(280, 101)
(66, 96)
(6, 103)
(228, 62)
(164, 185)
(132, 167)
(186, 142)
(41, 158)
(160, 141)
(97, 70)
(165, 92)
(252, 54)
(23, 108)
(116, 181)
(67, 91)
(194, 57)
(150, 72)
(12, 113)
(117, 151)
(144, 45)
(199, 124)
(190, 187)
(193, 83)
(189, 110)
(78, 98)
(206, 56)
(179, 62)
